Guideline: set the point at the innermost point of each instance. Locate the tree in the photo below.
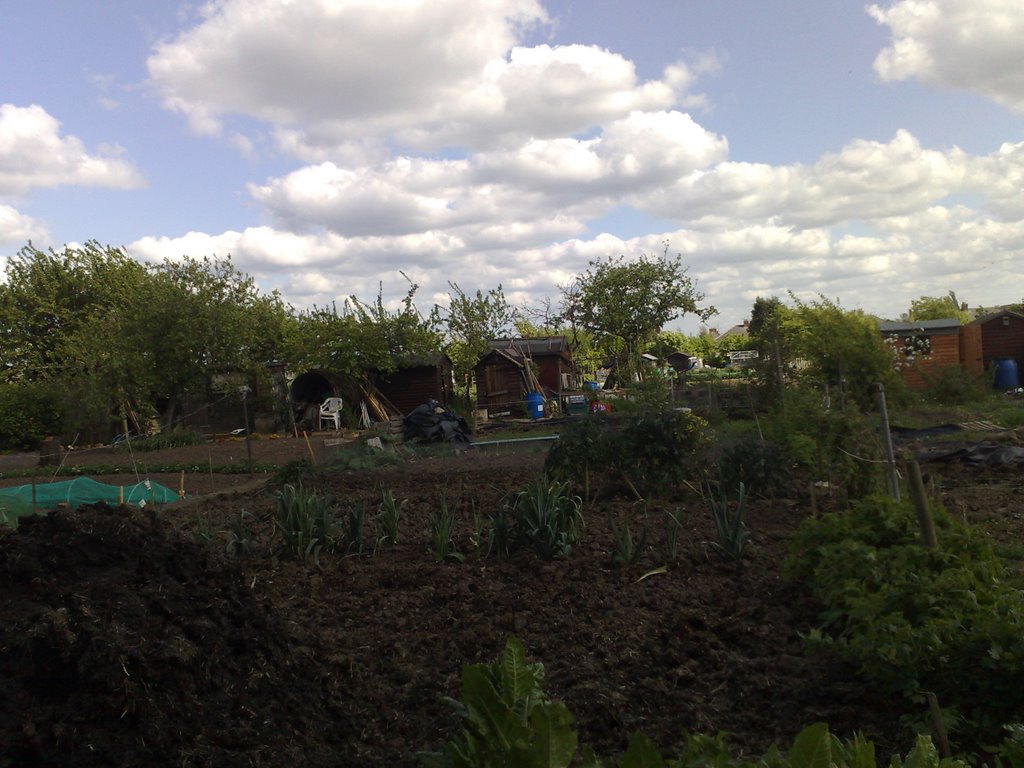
(631, 301)
(843, 349)
(938, 308)
(469, 323)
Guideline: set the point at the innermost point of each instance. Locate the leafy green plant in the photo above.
(477, 521)
(355, 541)
(202, 528)
(730, 526)
(501, 536)
(627, 549)
(306, 523)
(293, 472)
(507, 719)
(547, 518)
(441, 529)
(29, 412)
(240, 535)
(173, 438)
(673, 528)
(913, 619)
(763, 467)
(651, 451)
(388, 515)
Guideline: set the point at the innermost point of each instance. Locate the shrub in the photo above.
(306, 523)
(916, 619)
(28, 414)
(173, 438)
(547, 518)
(761, 466)
(652, 452)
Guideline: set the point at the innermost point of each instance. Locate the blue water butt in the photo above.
(1007, 376)
(535, 405)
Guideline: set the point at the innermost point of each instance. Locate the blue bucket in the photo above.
(535, 405)
(1006, 374)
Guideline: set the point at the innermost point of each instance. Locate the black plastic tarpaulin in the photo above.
(431, 422)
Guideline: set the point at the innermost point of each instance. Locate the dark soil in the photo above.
(128, 639)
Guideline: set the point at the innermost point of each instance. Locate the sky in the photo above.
(868, 153)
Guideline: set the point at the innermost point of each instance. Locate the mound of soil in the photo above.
(122, 643)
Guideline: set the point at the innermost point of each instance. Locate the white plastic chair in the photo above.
(330, 412)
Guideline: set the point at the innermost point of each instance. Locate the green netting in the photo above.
(85, 490)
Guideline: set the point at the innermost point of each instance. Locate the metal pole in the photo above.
(890, 456)
(245, 414)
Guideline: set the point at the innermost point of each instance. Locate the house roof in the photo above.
(996, 314)
(945, 325)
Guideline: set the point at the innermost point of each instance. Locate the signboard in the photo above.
(743, 354)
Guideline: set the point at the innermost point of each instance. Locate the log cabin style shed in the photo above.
(417, 380)
(502, 378)
(922, 348)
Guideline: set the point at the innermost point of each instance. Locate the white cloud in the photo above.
(34, 155)
(969, 44)
(423, 74)
(16, 229)
(866, 180)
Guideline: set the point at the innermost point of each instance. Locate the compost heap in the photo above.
(432, 423)
(124, 643)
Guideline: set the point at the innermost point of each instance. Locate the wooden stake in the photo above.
(312, 456)
(917, 495)
(938, 724)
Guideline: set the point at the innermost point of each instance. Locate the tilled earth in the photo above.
(139, 639)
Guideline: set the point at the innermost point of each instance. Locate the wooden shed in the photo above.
(922, 347)
(501, 374)
(416, 380)
(993, 336)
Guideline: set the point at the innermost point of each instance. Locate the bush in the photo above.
(916, 619)
(29, 413)
(652, 451)
(953, 385)
(761, 466)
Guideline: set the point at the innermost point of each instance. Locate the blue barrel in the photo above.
(535, 405)
(1006, 374)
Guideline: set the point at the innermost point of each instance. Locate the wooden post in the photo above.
(924, 518)
(245, 415)
(890, 456)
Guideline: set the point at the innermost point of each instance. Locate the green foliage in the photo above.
(627, 549)
(507, 719)
(844, 351)
(652, 451)
(673, 527)
(306, 523)
(837, 444)
(546, 517)
(29, 412)
(388, 514)
(730, 526)
(941, 620)
(952, 385)
(631, 301)
(172, 438)
(441, 531)
(469, 323)
(355, 538)
(240, 542)
(292, 472)
(763, 467)
(501, 536)
(937, 308)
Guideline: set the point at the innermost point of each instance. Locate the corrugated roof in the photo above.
(533, 345)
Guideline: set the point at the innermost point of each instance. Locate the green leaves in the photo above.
(507, 719)
(632, 300)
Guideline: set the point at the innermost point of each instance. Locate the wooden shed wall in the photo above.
(499, 384)
(408, 388)
(945, 352)
(1000, 341)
